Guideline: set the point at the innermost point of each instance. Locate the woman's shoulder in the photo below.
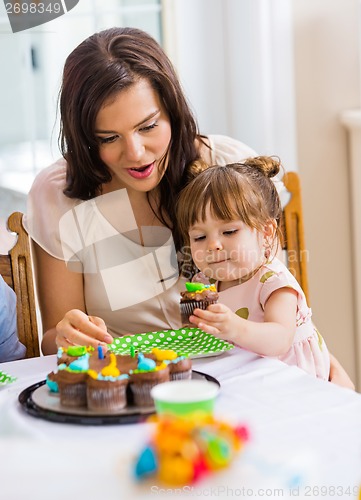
(51, 177)
(46, 202)
(48, 188)
(225, 149)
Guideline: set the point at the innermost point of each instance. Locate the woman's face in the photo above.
(134, 132)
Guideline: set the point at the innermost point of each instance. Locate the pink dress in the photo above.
(248, 299)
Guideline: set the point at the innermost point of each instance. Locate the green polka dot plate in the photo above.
(190, 341)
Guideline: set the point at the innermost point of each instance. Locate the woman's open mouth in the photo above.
(141, 172)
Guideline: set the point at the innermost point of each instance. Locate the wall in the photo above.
(234, 59)
(327, 70)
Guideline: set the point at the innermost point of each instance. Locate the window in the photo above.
(32, 63)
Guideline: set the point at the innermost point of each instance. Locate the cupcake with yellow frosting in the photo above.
(106, 390)
(180, 366)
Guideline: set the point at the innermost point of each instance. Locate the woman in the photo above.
(103, 218)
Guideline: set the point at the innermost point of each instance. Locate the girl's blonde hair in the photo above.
(238, 191)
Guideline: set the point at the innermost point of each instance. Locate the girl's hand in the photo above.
(77, 328)
(217, 320)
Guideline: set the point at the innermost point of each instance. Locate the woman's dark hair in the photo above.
(100, 67)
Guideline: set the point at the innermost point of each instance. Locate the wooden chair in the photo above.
(293, 232)
(16, 269)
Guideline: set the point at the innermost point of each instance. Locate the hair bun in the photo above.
(197, 167)
(268, 165)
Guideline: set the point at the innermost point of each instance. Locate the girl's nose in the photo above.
(215, 244)
(134, 149)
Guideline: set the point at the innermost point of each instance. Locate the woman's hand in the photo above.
(338, 374)
(77, 328)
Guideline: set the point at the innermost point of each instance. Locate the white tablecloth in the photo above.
(305, 439)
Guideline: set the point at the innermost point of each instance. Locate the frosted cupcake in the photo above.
(147, 375)
(180, 366)
(106, 391)
(71, 353)
(196, 296)
(72, 382)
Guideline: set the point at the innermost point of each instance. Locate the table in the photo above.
(305, 439)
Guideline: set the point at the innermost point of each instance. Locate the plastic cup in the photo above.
(185, 397)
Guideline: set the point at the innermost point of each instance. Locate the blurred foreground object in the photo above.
(184, 450)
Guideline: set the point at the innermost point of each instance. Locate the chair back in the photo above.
(293, 232)
(16, 269)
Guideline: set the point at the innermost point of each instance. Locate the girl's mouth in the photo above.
(141, 172)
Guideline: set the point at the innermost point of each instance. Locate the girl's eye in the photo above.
(149, 127)
(107, 140)
(199, 238)
(230, 232)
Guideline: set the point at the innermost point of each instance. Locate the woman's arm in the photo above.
(61, 301)
(274, 337)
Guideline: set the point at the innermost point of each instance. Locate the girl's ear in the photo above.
(270, 229)
(269, 234)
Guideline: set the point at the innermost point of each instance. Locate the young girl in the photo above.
(229, 215)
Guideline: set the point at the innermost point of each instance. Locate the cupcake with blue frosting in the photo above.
(148, 374)
(72, 380)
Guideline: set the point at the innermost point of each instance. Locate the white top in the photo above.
(134, 288)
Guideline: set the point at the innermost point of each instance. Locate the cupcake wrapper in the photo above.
(181, 375)
(187, 308)
(113, 398)
(73, 395)
(141, 393)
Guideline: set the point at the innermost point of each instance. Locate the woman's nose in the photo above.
(134, 149)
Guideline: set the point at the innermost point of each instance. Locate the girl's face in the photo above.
(226, 250)
(134, 133)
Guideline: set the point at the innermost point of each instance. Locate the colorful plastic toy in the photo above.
(183, 450)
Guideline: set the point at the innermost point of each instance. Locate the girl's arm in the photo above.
(273, 337)
(338, 374)
(61, 300)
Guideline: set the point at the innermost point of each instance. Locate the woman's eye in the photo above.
(149, 127)
(107, 140)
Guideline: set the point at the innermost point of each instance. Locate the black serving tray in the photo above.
(39, 402)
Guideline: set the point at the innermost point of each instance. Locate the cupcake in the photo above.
(144, 377)
(72, 382)
(197, 295)
(51, 382)
(180, 366)
(124, 362)
(72, 353)
(106, 391)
